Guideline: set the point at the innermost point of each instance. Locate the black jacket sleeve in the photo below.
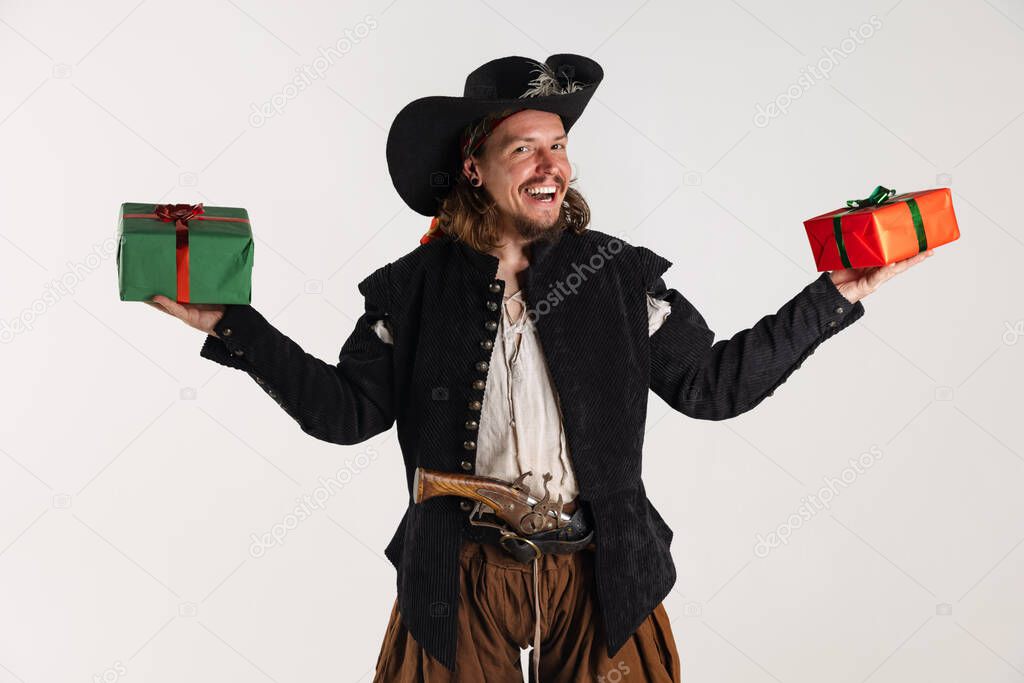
(710, 380)
(345, 403)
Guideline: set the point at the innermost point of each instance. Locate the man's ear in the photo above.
(470, 168)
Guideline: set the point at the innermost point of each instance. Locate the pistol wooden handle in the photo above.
(427, 484)
(509, 503)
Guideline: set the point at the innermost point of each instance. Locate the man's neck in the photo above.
(513, 256)
(513, 250)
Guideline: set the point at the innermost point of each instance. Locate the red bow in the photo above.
(178, 212)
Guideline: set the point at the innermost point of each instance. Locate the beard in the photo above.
(532, 230)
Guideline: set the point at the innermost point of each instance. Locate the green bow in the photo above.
(880, 195)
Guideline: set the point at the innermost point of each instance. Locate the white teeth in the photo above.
(541, 190)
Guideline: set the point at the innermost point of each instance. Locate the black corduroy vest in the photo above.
(586, 293)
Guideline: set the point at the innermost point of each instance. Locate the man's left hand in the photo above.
(857, 283)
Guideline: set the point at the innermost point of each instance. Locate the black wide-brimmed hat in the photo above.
(424, 144)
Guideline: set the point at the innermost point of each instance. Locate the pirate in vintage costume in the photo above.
(517, 344)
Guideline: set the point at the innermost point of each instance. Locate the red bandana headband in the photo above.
(467, 146)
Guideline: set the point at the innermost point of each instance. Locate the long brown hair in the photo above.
(470, 214)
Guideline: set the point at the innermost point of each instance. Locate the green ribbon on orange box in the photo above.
(880, 195)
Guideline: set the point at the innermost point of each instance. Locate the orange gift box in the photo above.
(882, 228)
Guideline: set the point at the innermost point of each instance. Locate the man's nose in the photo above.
(546, 162)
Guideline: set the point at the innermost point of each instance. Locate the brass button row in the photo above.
(472, 423)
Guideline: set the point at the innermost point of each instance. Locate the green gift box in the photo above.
(188, 252)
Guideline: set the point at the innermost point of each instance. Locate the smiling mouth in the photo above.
(545, 196)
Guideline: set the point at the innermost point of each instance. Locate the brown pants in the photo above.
(495, 622)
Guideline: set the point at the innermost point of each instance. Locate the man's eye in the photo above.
(557, 144)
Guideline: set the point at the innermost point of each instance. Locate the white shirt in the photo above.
(520, 426)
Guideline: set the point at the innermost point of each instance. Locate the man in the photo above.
(514, 340)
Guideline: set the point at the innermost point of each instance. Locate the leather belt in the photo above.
(575, 536)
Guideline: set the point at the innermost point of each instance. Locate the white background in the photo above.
(132, 471)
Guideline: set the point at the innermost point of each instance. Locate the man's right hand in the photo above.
(200, 316)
